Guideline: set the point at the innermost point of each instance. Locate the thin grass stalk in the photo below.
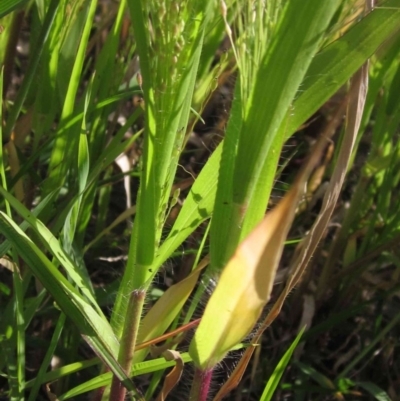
(128, 343)
(11, 48)
(354, 361)
(168, 85)
(357, 97)
(47, 358)
(340, 241)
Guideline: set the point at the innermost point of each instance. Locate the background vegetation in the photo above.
(143, 143)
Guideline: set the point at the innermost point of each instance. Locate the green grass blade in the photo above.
(196, 209)
(66, 143)
(222, 214)
(141, 368)
(166, 117)
(147, 203)
(374, 390)
(164, 130)
(63, 371)
(16, 322)
(335, 64)
(93, 327)
(7, 6)
(5, 246)
(47, 359)
(318, 377)
(82, 169)
(34, 62)
(293, 47)
(274, 379)
(52, 245)
(77, 118)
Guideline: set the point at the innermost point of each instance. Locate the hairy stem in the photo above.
(200, 385)
(128, 342)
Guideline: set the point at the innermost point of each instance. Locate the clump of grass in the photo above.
(66, 116)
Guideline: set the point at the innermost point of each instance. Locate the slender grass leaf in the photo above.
(273, 381)
(33, 395)
(63, 153)
(95, 328)
(141, 368)
(52, 245)
(31, 71)
(63, 371)
(196, 209)
(375, 391)
(166, 119)
(6, 245)
(99, 106)
(282, 69)
(319, 377)
(82, 169)
(335, 64)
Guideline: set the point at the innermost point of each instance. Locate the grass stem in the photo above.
(128, 342)
(200, 385)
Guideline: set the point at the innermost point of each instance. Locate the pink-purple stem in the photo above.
(201, 385)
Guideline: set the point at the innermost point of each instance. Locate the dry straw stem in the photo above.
(357, 97)
(356, 101)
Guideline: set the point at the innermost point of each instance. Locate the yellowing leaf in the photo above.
(165, 310)
(246, 282)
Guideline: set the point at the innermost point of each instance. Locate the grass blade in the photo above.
(93, 327)
(23, 91)
(274, 379)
